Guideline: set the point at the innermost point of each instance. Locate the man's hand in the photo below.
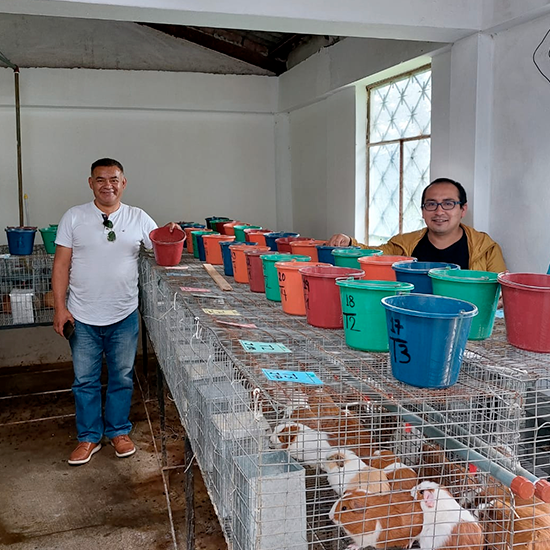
(60, 317)
(339, 240)
(172, 226)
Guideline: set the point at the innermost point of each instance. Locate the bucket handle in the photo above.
(516, 284)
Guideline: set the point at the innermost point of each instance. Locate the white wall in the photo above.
(193, 145)
(521, 151)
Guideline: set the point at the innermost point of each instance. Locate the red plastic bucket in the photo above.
(292, 287)
(379, 268)
(167, 246)
(322, 295)
(526, 298)
(283, 243)
(255, 267)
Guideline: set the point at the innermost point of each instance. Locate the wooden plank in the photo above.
(218, 279)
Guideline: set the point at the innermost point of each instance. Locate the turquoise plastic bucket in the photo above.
(479, 287)
(20, 240)
(427, 335)
(349, 256)
(48, 236)
(417, 274)
(271, 277)
(364, 316)
(324, 253)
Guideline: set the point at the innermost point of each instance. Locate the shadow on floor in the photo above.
(112, 502)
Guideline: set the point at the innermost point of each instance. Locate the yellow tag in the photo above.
(220, 311)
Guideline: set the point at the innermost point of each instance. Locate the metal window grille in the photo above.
(398, 150)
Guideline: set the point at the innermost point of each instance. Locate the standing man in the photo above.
(445, 238)
(96, 260)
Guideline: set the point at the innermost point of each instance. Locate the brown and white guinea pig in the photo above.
(346, 471)
(301, 442)
(523, 524)
(400, 476)
(382, 458)
(381, 520)
(445, 525)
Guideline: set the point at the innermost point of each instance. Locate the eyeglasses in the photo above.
(108, 224)
(431, 206)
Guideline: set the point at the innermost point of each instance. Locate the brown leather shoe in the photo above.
(123, 445)
(83, 452)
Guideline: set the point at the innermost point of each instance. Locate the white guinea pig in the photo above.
(301, 442)
(346, 471)
(446, 525)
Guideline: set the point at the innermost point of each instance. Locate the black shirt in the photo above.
(457, 253)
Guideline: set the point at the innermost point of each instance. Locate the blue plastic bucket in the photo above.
(324, 253)
(417, 274)
(270, 238)
(20, 240)
(226, 255)
(427, 336)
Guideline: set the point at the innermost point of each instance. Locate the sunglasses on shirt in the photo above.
(108, 224)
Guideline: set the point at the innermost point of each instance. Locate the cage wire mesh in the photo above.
(360, 459)
(25, 288)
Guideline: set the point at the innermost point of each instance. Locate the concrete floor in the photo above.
(116, 503)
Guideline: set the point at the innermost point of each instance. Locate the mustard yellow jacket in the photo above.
(485, 254)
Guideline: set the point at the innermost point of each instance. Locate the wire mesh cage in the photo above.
(305, 443)
(25, 288)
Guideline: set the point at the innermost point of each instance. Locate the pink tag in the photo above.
(241, 325)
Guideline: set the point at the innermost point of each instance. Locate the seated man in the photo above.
(445, 239)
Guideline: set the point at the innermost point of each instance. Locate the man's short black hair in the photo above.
(106, 162)
(461, 191)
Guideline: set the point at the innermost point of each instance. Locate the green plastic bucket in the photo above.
(271, 277)
(349, 257)
(194, 235)
(478, 287)
(364, 316)
(48, 236)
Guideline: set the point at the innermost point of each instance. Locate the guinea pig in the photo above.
(301, 442)
(400, 477)
(346, 471)
(381, 520)
(446, 525)
(382, 458)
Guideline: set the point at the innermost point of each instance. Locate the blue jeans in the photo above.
(118, 342)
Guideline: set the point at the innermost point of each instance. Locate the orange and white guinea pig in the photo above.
(381, 520)
(446, 525)
(346, 471)
(301, 442)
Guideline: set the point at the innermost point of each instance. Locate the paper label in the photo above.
(264, 347)
(292, 376)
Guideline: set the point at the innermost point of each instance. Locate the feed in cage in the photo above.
(273, 453)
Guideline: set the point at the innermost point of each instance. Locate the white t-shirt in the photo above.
(103, 280)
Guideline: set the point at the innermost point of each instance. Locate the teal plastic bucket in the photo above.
(428, 336)
(478, 287)
(48, 236)
(417, 274)
(20, 240)
(271, 277)
(363, 315)
(349, 256)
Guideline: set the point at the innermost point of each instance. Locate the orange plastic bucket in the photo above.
(526, 298)
(188, 240)
(238, 259)
(167, 245)
(379, 268)
(283, 243)
(255, 267)
(256, 235)
(292, 287)
(212, 249)
(322, 295)
(228, 227)
(308, 248)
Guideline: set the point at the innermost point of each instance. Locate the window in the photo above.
(398, 149)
